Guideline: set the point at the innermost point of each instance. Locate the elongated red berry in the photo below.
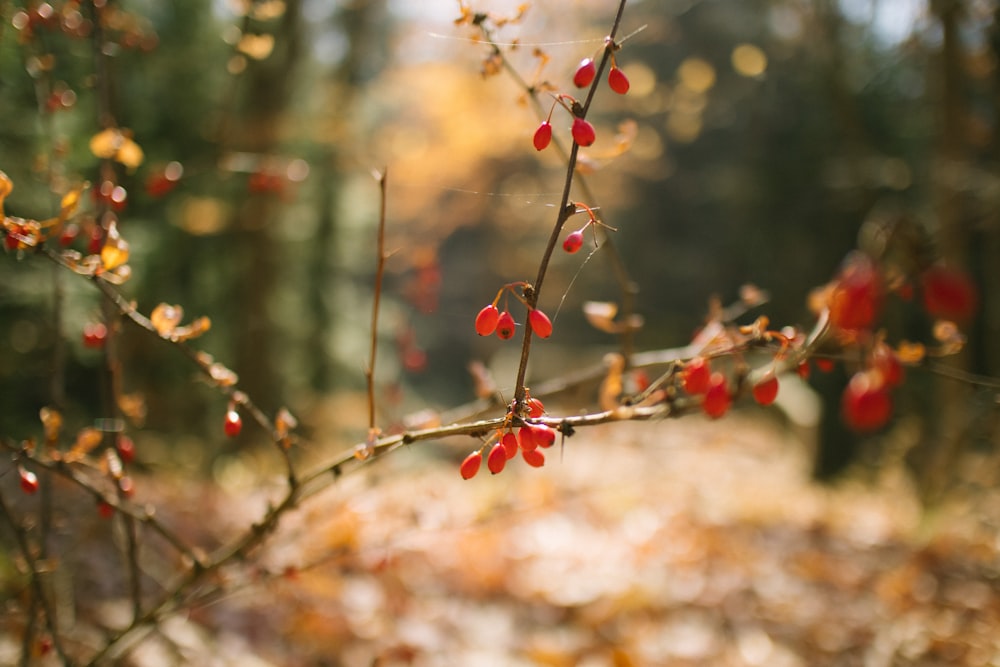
(543, 135)
(505, 326)
(583, 132)
(497, 459)
(618, 81)
(540, 323)
(765, 391)
(526, 438)
(535, 407)
(94, 335)
(695, 376)
(865, 405)
(545, 436)
(857, 295)
(470, 466)
(585, 73)
(486, 320)
(949, 293)
(534, 458)
(126, 448)
(573, 242)
(509, 442)
(885, 361)
(717, 399)
(29, 480)
(233, 424)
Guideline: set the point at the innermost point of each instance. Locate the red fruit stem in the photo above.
(565, 208)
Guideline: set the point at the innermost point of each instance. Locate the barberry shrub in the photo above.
(92, 214)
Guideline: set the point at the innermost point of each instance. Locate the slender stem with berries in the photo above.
(565, 209)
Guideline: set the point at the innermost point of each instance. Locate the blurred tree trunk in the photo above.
(947, 434)
(363, 24)
(269, 85)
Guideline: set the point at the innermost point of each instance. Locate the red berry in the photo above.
(717, 399)
(414, 360)
(69, 234)
(509, 442)
(695, 376)
(29, 480)
(573, 242)
(233, 424)
(526, 437)
(94, 335)
(540, 323)
(585, 73)
(497, 458)
(583, 132)
(470, 466)
(543, 136)
(824, 365)
(162, 182)
(885, 361)
(857, 295)
(865, 405)
(949, 293)
(544, 436)
(535, 407)
(765, 391)
(803, 370)
(486, 320)
(618, 81)
(505, 326)
(126, 448)
(127, 486)
(534, 458)
(106, 510)
(96, 240)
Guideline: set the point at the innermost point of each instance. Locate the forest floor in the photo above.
(686, 542)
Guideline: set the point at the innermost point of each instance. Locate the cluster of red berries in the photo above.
(582, 131)
(110, 195)
(866, 404)
(530, 439)
(492, 320)
(698, 379)
(855, 300)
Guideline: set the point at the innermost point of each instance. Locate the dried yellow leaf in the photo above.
(130, 154)
(6, 185)
(222, 375)
(106, 143)
(601, 315)
(193, 330)
(114, 144)
(911, 353)
(115, 251)
(257, 47)
(86, 440)
(165, 318)
(51, 423)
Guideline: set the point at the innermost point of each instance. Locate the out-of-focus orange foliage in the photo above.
(649, 546)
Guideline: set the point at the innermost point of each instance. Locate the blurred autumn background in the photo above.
(759, 144)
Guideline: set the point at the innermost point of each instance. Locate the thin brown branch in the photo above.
(38, 589)
(564, 211)
(376, 299)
